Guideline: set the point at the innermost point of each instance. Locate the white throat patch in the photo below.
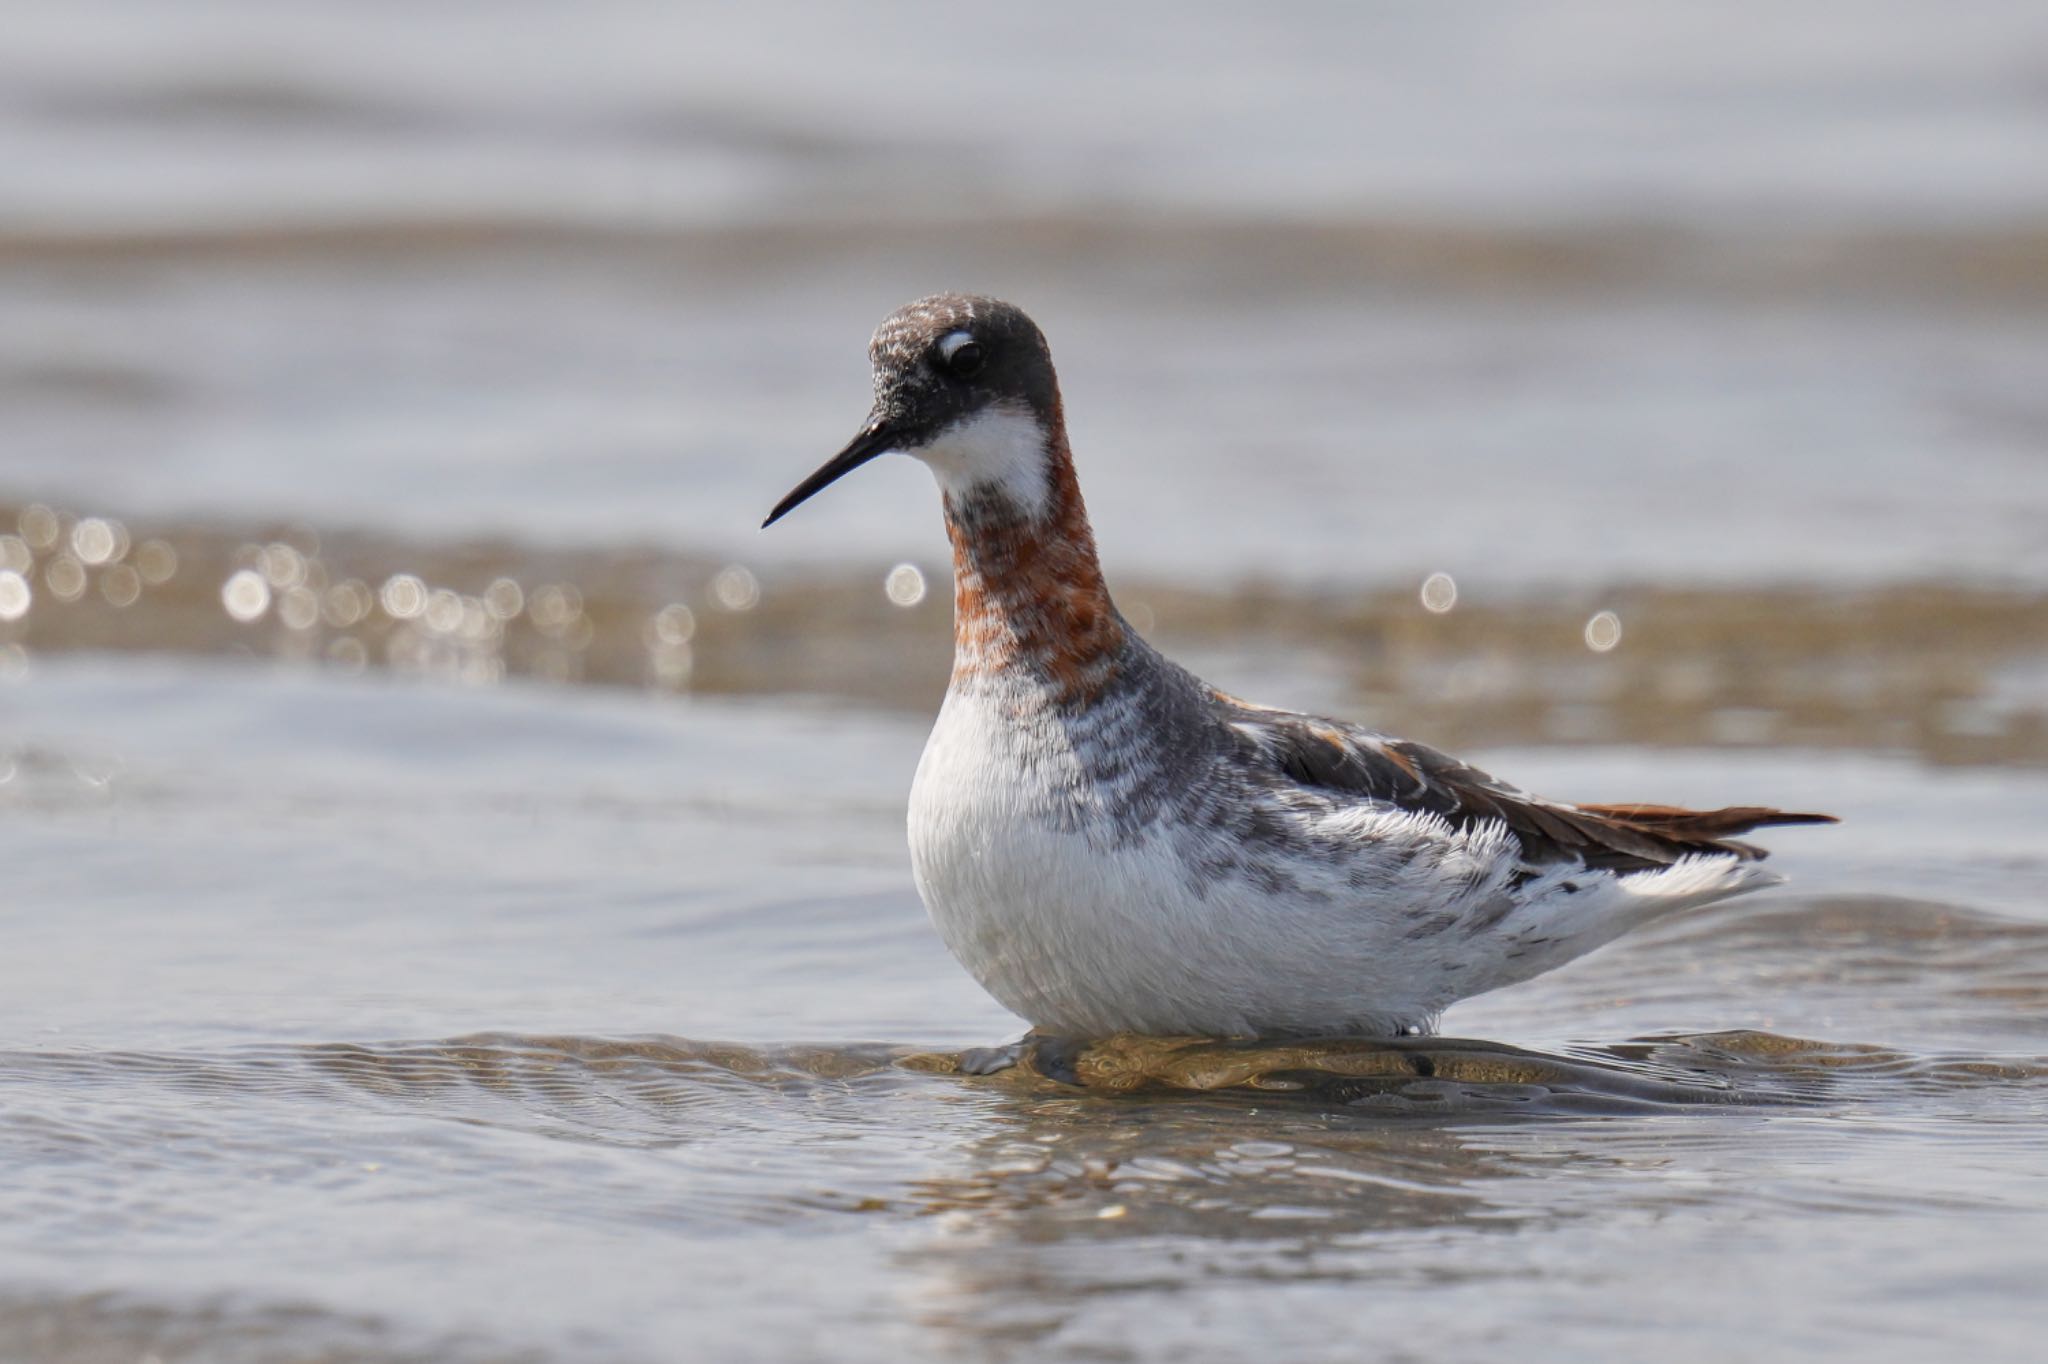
(1000, 446)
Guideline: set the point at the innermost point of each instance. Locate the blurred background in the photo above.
(1648, 399)
(1740, 341)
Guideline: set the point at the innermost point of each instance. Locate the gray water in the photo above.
(372, 1020)
(455, 903)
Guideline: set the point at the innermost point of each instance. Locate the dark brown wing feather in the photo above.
(1340, 757)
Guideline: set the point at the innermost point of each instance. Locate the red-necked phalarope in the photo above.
(1111, 845)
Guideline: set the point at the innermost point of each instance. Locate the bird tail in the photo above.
(1685, 831)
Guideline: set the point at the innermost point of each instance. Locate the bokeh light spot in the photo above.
(15, 595)
(39, 526)
(555, 607)
(403, 596)
(736, 589)
(905, 585)
(299, 608)
(478, 624)
(283, 566)
(443, 611)
(246, 595)
(1439, 593)
(65, 577)
(674, 624)
(1603, 632)
(121, 585)
(156, 561)
(504, 599)
(96, 540)
(346, 603)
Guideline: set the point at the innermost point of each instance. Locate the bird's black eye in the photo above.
(960, 354)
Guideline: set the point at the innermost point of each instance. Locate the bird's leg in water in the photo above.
(1052, 1058)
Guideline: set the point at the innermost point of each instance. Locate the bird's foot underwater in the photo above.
(1049, 1056)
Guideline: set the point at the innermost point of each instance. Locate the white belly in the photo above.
(1086, 928)
(1171, 892)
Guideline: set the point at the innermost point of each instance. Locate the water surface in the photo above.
(263, 1094)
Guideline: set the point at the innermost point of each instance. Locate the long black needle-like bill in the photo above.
(875, 439)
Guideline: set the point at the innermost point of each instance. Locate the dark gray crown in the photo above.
(919, 394)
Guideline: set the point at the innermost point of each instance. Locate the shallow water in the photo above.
(456, 905)
(262, 1102)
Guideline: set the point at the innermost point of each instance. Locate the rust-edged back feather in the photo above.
(1336, 757)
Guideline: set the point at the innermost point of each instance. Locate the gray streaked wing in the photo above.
(1331, 756)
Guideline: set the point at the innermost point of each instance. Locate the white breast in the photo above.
(1085, 928)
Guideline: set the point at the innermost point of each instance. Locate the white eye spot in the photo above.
(951, 342)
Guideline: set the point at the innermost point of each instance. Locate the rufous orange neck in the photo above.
(1028, 591)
